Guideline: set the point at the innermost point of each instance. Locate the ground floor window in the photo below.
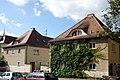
(92, 67)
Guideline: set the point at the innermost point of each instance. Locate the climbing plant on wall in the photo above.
(70, 58)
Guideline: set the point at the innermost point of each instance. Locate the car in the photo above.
(39, 76)
(10, 76)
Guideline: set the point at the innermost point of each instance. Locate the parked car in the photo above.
(3, 69)
(39, 76)
(10, 76)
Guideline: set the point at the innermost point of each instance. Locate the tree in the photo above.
(112, 17)
(3, 62)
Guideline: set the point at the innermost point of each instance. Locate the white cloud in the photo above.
(37, 12)
(18, 24)
(3, 19)
(9, 34)
(75, 9)
(19, 2)
(6, 21)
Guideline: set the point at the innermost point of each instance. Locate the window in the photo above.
(36, 52)
(12, 51)
(79, 32)
(19, 50)
(74, 33)
(16, 42)
(92, 67)
(92, 45)
(18, 63)
(113, 48)
(7, 52)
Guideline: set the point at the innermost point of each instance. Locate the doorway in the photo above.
(33, 66)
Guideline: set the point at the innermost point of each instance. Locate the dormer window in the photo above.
(16, 42)
(74, 33)
(77, 32)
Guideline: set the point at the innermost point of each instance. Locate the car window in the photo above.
(50, 75)
(13, 74)
(35, 76)
(7, 74)
(19, 74)
(3, 74)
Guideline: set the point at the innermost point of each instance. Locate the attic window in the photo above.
(16, 42)
(74, 33)
(77, 32)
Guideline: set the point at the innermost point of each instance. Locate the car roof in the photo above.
(37, 73)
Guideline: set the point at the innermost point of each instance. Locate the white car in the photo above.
(10, 76)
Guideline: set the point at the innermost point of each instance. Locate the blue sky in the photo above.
(18, 16)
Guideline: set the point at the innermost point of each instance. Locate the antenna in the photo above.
(46, 31)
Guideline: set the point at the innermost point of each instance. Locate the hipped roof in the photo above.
(31, 38)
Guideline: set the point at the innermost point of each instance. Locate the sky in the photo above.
(55, 16)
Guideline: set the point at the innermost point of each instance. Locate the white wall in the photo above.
(22, 69)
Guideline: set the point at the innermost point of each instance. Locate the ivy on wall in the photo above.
(70, 58)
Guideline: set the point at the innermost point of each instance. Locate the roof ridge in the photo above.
(24, 38)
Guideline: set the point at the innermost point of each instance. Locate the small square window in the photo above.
(113, 48)
(12, 51)
(36, 52)
(92, 67)
(7, 52)
(92, 45)
(18, 63)
(19, 50)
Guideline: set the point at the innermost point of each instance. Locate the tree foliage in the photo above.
(112, 17)
(3, 62)
(70, 58)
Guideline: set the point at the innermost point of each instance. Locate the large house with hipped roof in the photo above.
(28, 52)
(90, 29)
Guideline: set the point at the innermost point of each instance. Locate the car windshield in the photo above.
(1, 73)
(35, 75)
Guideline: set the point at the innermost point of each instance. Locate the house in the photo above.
(91, 29)
(28, 52)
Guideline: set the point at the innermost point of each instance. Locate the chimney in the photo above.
(33, 28)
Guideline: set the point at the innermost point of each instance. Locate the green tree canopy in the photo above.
(3, 62)
(112, 17)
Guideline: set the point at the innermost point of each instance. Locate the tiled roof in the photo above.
(91, 25)
(76, 38)
(31, 38)
(7, 39)
(1, 38)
